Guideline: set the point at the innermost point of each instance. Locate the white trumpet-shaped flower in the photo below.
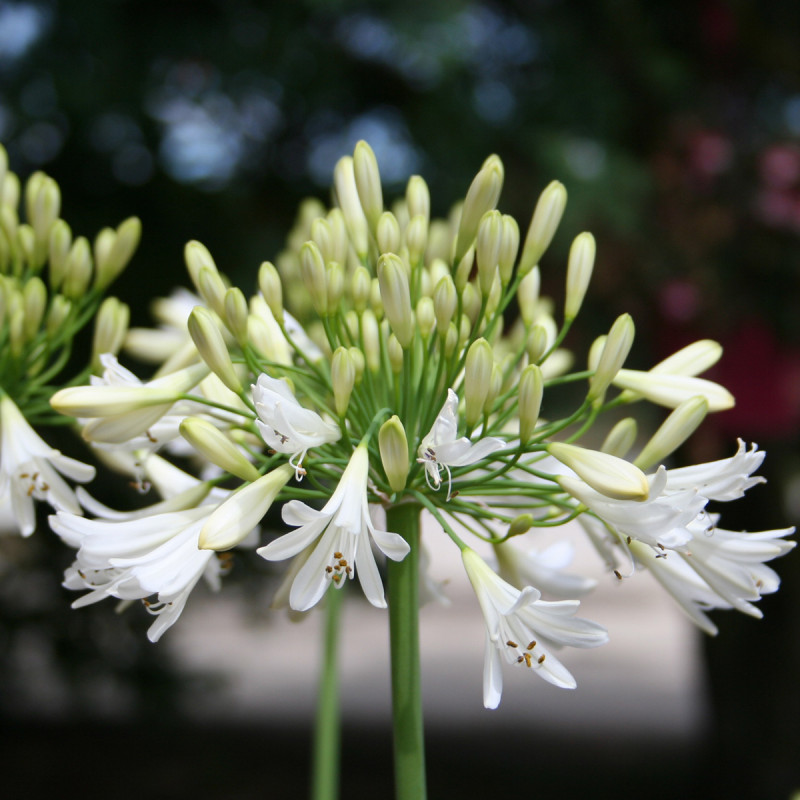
(285, 425)
(29, 470)
(440, 449)
(522, 628)
(344, 530)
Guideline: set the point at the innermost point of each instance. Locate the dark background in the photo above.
(676, 129)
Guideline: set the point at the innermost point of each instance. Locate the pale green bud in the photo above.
(508, 248)
(32, 188)
(3, 168)
(77, 270)
(521, 524)
(197, 257)
(445, 302)
(595, 352)
(531, 390)
(674, 431)
(212, 443)
(10, 190)
(340, 241)
(494, 296)
(544, 222)
(360, 286)
(371, 339)
(395, 351)
(537, 343)
(616, 349)
(528, 295)
(314, 275)
(396, 297)
(464, 330)
(359, 362)
(495, 384)
(418, 198)
(334, 278)
(671, 390)
(375, 299)
(235, 519)
(388, 233)
(482, 196)
(393, 445)
(207, 337)
(368, 182)
(579, 272)
(123, 246)
(350, 203)
(57, 314)
(451, 339)
(437, 270)
(269, 282)
(34, 297)
(621, 438)
(46, 208)
(59, 246)
(416, 238)
(110, 328)
(692, 359)
(611, 476)
(103, 244)
(426, 316)
(16, 331)
(212, 289)
(321, 236)
(343, 378)
(471, 302)
(26, 243)
(487, 250)
(236, 314)
(464, 269)
(477, 376)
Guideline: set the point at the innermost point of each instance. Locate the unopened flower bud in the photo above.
(395, 352)
(26, 245)
(487, 249)
(235, 519)
(426, 316)
(371, 340)
(321, 236)
(59, 247)
(350, 203)
(57, 314)
(521, 524)
(579, 272)
(77, 270)
(212, 289)
(418, 198)
(509, 247)
(416, 238)
(531, 390)
(368, 182)
(393, 445)
(471, 302)
(334, 278)
(528, 295)
(672, 390)
(314, 275)
(110, 328)
(451, 340)
(388, 233)
(236, 314)
(339, 239)
(34, 297)
(482, 196)
(343, 378)
(544, 222)
(611, 476)
(269, 282)
(618, 345)
(674, 431)
(464, 269)
(123, 246)
(359, 361)
(360, 286)
(621, 438)
(537, 343)
(375, 299)
(477, 375)
(692, 359)
(197, 256)
(45, 211)
(211, 442)
(495, 384)
(208, 339)
(445, 302)
(396, 297)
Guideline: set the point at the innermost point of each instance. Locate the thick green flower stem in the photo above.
(403, 578)
(326, 754)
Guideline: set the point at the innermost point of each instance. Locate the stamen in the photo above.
(541, 659)
(531, 645)
(527, 659)
(512, 643)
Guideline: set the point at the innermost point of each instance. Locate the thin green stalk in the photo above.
(327, 751)
(409, 744)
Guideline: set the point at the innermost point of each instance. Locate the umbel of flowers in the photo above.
(52, 285)
(377, 373)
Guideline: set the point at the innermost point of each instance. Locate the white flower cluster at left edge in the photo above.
(29, 470)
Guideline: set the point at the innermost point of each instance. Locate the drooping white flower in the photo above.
(285, 425)
(139, 558)
(726, 479)
(440, 449)
(29, 470)
(343, 529)
(522, 628)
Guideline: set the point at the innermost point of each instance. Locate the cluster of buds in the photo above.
(52, 285)
(379, 365)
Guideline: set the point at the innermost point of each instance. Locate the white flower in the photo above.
(440, 449)
(29, 470)
(659, 521)
(138, 558)
(522, 627)
(285, 425)
(343, 528)
(726, 479)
